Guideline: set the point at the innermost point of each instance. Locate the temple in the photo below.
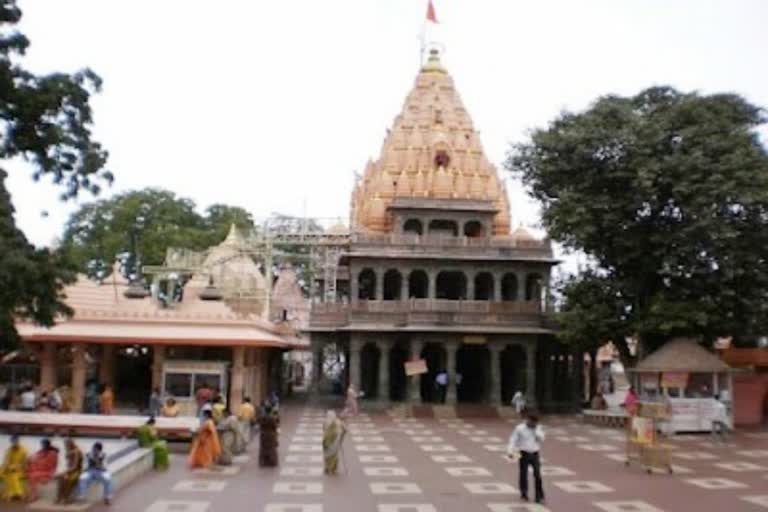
(434, 271)
(204, 328)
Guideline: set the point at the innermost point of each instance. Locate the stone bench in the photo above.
(606, 418)
(125, 467)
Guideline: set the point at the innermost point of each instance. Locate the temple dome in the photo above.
(431, 151)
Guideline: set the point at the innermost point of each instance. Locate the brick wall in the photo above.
(750, 399)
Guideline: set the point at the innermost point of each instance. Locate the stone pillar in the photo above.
(48, 366)
(237, 380)
(317, 366)
(530, 374)
(497, 287)
(432, 281)
(470, 286)
(354, 287)
(379, 273)
(107, 366)
(414, 383)
(158, 359)
(450, 368)
(521, 286)
(495, 374)
(384, 347)
(355, 348)
(79, 369)
(404, 285)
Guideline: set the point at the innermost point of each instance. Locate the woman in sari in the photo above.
(232, 440)
(333, 437)
(148, 438)
(68, 480)
(351, 407)
(107, 401)
(268, 439)
(206, 447)
(41, 467)
(12, 471)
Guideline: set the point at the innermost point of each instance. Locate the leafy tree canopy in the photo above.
(145, 222)
(46, 120)
(667, 192)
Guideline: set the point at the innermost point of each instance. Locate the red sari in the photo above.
(41, 468)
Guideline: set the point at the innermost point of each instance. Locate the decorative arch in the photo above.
(533, 287)
(413, 227)
(366, 284)
(443, 227)
(509, 287)
(451, 285)
(393, 282)
(484, 286)
(418, 284)
(474, 229)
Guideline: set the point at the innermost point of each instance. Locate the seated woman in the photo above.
(12, 470)
(170, 409)
(148, 438)
(68, 480)
(268, 438)
(41, 467)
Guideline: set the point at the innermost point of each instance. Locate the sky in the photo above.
(273, 105)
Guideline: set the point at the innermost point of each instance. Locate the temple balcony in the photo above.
(429, 312)
(447, 246)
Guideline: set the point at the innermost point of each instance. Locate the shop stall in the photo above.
(688, 380)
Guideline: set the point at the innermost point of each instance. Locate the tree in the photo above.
(145, 223)
(668, 193)
(46, 120)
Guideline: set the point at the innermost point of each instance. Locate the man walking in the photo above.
(525, 442)
(441, 385)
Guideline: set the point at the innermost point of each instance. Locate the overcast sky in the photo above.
(271, 105)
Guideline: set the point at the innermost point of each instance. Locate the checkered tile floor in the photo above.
(426, 465)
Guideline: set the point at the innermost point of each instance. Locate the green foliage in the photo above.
(46, 120)
(147, 221)
(667, 192)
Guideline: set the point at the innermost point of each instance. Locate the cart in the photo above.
(643, 446)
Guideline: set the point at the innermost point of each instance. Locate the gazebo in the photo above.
(687, 375)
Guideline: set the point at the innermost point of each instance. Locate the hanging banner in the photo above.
(416, 367)
(674, 380)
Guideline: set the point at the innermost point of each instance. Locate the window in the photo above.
(413, 227)
(211, 380)
(418, 284)
(178, 385)
(443, 227)
(474, 229)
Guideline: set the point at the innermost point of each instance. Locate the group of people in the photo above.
(99, 399)
(223, 435)
(22, 474)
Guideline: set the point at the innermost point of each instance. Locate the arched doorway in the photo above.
(418, 285)
(434, 355)
(484, 286)
(392, 284)
(513, 367)
(413, 227)
(451, 285)
(398, 382)
(369, 370)
(366, 285)
(473, 364)
(509, 287)
(474, 229)
(443, 228)
(533, 287)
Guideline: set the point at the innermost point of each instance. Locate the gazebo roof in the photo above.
(682, 355)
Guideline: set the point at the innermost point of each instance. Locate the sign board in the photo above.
(643, 431)
(674, 380)
(473, 339)
(416, 367)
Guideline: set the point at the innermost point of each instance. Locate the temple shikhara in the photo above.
(434, 271)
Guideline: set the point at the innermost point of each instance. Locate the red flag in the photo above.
(431, 13)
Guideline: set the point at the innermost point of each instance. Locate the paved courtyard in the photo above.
(417, 465)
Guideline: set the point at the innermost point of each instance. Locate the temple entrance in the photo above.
(398, 382)
(434, 355)
(513, 367)
(473, 364)
(132, 376)
(369, 370)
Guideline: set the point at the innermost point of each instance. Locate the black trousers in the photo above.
(531, 459)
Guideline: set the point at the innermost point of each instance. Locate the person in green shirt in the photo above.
(148, 438)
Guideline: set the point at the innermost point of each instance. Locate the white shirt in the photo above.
(721, 413)
(442, 379)
(28, 400)
(525, 439)
(518, 401)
